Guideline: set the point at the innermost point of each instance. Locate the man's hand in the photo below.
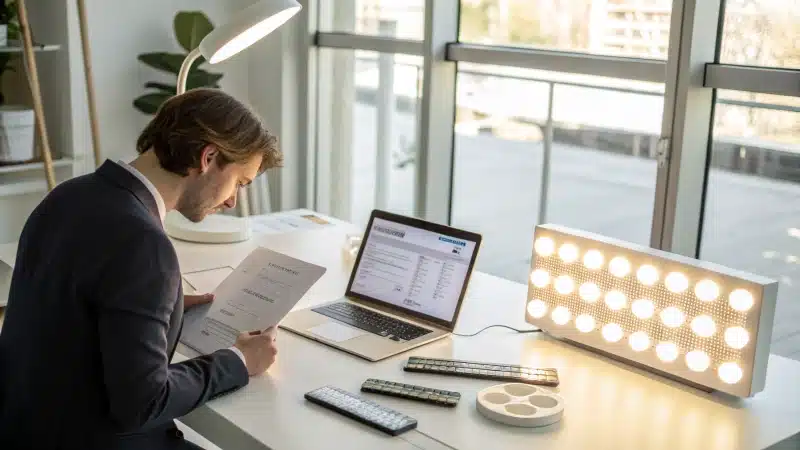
(194, 300)
(259, 349)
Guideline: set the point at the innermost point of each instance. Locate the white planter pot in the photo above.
(3, 35)
(16, 134)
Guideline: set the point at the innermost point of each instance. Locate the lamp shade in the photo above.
(246, 27)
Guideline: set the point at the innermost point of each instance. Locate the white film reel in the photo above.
(520, 405)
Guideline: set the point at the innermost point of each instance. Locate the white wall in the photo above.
(119, 30)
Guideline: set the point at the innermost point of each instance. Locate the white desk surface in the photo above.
(608, 405)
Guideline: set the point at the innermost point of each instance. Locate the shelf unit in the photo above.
(34, 165)
(36, 48)
(16, 186)
(26, 178)
(58, 59)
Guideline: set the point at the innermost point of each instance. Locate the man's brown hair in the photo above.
(185, 124)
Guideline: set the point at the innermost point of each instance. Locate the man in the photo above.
(95, 307)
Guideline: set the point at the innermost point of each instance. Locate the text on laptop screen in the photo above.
(415, 269)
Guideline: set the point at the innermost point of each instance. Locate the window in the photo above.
(762, 33)
(602, 171)
(395, 19)
(752, 213)
(633, 28)
(368, 132)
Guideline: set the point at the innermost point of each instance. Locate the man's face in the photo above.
(211, 187)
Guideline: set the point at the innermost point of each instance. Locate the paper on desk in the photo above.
(8, 253)
(286, 222)
(255, 296)
(204, 281)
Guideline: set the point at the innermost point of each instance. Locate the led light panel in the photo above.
(695, 321)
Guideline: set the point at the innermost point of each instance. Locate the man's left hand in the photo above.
(190, 301)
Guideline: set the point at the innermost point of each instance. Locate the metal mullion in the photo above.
(559, 61)
(687, 125)
(378, 44)
(753, 79)
(435, 151)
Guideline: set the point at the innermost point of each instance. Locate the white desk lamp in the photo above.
(243, 30)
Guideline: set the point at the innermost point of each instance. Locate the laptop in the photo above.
(406, 288)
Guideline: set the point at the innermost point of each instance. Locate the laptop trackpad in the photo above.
(336, 332)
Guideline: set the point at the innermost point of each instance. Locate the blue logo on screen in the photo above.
(452, 241)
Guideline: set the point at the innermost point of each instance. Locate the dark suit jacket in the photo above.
(95, 310)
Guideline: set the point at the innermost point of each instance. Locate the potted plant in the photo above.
(190, 28)
(9, 25)
(16, 121)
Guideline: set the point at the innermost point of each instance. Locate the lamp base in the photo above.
(214, 229)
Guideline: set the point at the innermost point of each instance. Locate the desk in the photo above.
(608, 404)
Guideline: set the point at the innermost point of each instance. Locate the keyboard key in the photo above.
(372, 321)
(547, 377)
(365, 411)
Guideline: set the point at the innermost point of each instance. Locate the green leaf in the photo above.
(168, 62)
(13, 32)
(149, 103)
(190, 28)
(201, 78)
(167, 88)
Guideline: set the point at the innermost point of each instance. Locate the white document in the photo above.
(286, 222)
(336, 332)
(255, 296)
(205, 281)
(8, 253)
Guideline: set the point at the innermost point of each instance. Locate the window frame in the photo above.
(691, 73)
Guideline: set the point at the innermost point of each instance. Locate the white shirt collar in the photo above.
(162, 209)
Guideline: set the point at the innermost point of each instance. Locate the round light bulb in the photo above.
(568, 253)
(643, 308)
(647, 275)
(589, 292)
(564, 285)
(672, 317)
(537, 309)
(704, 326)
(741, 300)
(615, 300)
(730, 372)
(667, 351)
(593, 260)
(639, 341)
(612, 332)
(584, 323)
(706, 290)
(544, 246)
(561, 315)
(619, 267)
(737, 337)
(697, 360)
(540, 278)
(676, 282)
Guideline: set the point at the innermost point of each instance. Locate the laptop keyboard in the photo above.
(372, 321)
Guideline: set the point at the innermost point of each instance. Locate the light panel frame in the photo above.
(757, 320)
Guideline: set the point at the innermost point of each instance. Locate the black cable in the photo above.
(532, 330)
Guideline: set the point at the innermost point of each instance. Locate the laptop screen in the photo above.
(419, 270)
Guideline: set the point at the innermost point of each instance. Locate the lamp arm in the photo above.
(183, 74)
